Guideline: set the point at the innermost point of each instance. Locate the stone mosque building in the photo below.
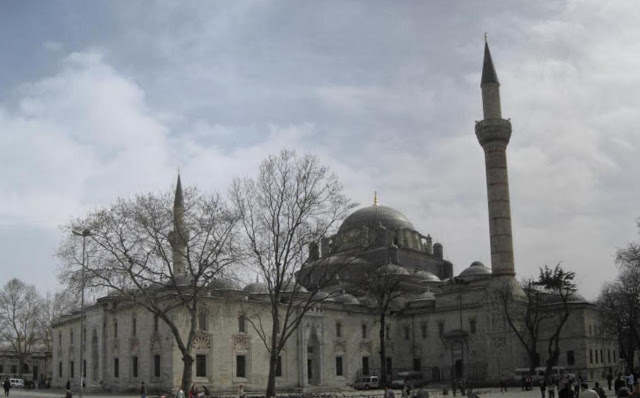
(445, 326)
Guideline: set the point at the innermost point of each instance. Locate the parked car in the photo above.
(16, 383)
(413, 378)
(367, 382)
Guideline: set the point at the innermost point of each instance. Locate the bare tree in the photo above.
(20, 310)
(160, 252)
(559, 283)
(545, 306)
(619, 302)
(293, 202)
(383, 287)
(53, 306)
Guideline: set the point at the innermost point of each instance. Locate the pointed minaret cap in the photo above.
(178, 200)
(488, 70)
(375, 198)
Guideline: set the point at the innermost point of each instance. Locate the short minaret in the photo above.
(179, 236)
(493, 134)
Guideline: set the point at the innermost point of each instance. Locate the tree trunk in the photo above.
(187, 373)
(271, 382)
(383, 351)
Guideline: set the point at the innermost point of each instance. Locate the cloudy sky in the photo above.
(100, 100)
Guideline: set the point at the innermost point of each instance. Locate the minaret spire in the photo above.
(375, 198)
(179, 237)
(493, 134)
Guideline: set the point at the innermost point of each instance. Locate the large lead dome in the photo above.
(373, 216)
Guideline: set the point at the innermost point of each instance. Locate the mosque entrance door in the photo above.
(313, 360)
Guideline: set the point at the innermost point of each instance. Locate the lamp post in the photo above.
(84, 233)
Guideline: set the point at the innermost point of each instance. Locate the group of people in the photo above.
(194, 392)
(408, 392)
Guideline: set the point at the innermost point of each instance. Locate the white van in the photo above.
(367, 382)
(16, 383)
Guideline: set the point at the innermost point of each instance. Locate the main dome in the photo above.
(373, 216)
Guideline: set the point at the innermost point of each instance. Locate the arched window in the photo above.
(364, 331)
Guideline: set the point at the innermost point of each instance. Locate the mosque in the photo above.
(445, 326)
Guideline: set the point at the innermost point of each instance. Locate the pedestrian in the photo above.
(636, 390)
(7, 387)
(68, 385)
(630, 380)
(503, 383)
(600, 390)
(565, 390)
(551, 390)
(143, 391)
(241, 393)
(543, 388)
(609, 379)
(586, 392)
(389, 393)
(180, 394)
(193, 392)
(422, 392)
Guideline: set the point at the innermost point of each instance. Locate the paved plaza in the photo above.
(512, 392)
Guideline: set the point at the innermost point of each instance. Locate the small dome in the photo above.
(223, 284)
(373, 216)
(256, 288)
(320, 295)
(475, 269)
(346, 298)
(426, 276)
(392, 269)
(426, 296)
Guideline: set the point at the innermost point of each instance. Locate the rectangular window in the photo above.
(201, 366)
(202, 320)
(71, 337)
(134, 326)
(134, 367)
(60, 369)
(156, 365)
(155, 323)
(115, 329)
(472, 326)
(590, 356)
(116, 367)
(279, 367)
(338, 329)
(407, 333)
(417, 364)
(365, 366)
(241, 366)
(71, 369)
(84, 336)
(571, 358)
(84, 368)
(423, 330)
(339, 366)
(601, 356)
(1, 368)
(242, 324)
(364, 331)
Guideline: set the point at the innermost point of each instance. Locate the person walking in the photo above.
(586, 392)
(143, 391)
(600, 390)
(609, 379)
(422, 392)
(7, 387)
(388, 393)
(241, 393)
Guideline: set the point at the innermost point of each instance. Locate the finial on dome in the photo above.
(375, 198)
(485, 37)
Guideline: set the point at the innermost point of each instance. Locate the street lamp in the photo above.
(84, 233)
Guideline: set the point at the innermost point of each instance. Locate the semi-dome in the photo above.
(426, 276)
(256, 288)
(391, 269)
(475, 269)
(426, 296)
(373, 216)
(223, 284)
(346, 298)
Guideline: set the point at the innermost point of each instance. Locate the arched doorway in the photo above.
(94, 355)
(313, 360)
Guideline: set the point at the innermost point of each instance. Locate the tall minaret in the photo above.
(179, 236)
(493, 134)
